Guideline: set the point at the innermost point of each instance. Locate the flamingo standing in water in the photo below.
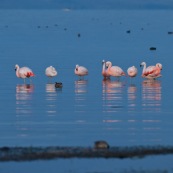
(50, 72)
(23, 72)
(81, 71)
(132, 71)
(114, 70)
(104, 70)
(151, 72)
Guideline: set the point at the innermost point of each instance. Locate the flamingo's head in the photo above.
(159, 65)
(77, 66)
(142, 64)
(103, 61)
(16, 67)
(108, 63)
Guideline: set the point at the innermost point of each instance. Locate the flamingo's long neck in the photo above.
(17, 72)
(144, 68)
(104, 67)
(109, 66)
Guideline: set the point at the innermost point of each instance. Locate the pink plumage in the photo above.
(114, 70)
(151, 72)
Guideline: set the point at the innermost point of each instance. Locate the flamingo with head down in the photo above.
(132, 71)
(23, 72)
(114, 70)
(151, 72)
(50, 72)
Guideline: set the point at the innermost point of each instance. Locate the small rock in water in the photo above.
(152, 48)
(170, 32)
(128, 31)
(101, 145)
(78, 35)
(58, 85)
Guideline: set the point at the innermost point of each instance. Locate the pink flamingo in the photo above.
(81, 71)
(151, 72)
(104, 70)
(114, 70)
(23, 72)
(132, 71)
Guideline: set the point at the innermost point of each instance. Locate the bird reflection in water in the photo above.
(80, 95)
(23, 108)
(51, 98)
(112, 95)
(151, 95)
(50, 88)
(132, 97)
(23, 98)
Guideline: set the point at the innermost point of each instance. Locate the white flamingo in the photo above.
(132, 71)
(23, 72)
(81, 71)
(51, 72)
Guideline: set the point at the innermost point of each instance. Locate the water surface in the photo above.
(123, 112)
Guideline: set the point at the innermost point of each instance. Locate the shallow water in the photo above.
(124, 113)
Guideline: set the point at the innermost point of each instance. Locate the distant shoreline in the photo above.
(53, 152)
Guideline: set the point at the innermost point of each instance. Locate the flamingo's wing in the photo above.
(83, 70)
(25, 71)
(149, 71)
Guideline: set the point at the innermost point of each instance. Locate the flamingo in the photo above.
(104, 70)
(23, 72)
(132, 71)
(81, 71)
(114, 70)
(151, 72)
(50, 72)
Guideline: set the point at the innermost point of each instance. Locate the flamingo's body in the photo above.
(104, 70)
(23, 72)
(81, 71)
(50, 71)
(114, 70)
(132, 71)
(151, 72)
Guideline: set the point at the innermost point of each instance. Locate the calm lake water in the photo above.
(124, 113)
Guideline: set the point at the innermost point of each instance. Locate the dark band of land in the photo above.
(43, 153)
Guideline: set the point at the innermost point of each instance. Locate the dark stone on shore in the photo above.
(101, 145)
(152, 48)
